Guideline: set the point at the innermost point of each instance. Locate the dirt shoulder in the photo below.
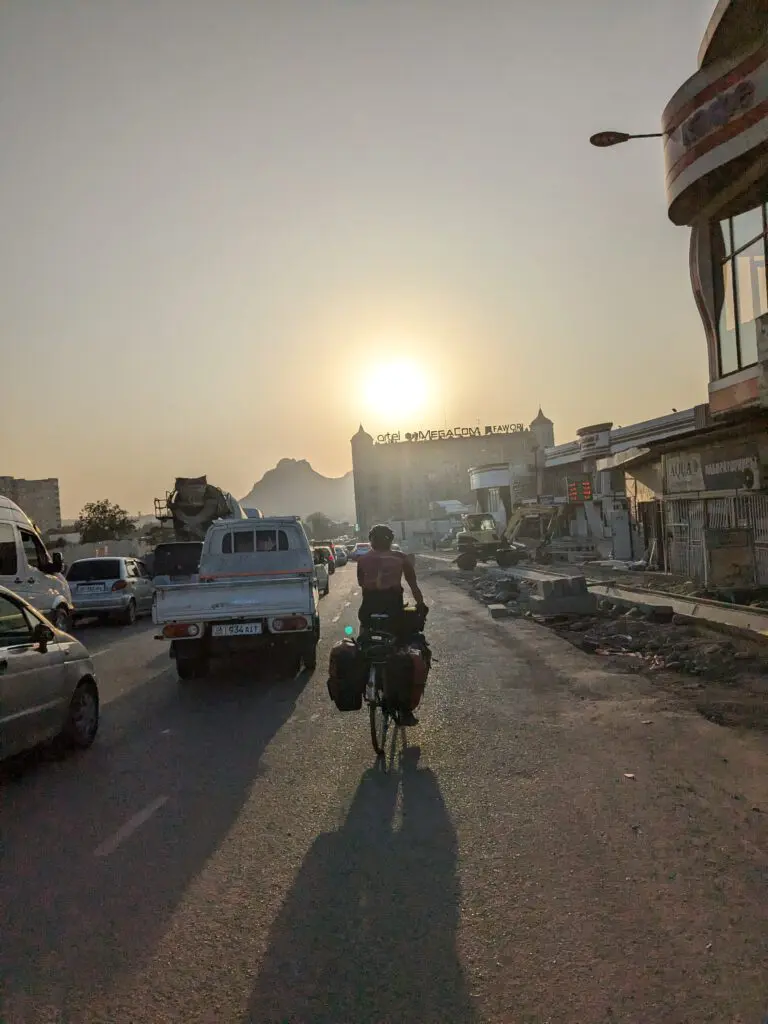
(723, 676)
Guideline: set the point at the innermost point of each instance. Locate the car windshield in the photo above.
(94, 569)
(479, 522)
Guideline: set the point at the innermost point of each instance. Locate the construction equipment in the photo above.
(193, 505)
(527, 534)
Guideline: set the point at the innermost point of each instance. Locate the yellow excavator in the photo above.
(526, 536)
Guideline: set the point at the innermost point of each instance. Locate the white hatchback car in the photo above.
(48, 688)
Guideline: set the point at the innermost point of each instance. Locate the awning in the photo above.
(621, 458)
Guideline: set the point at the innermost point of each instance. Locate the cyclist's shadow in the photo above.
(368, 932)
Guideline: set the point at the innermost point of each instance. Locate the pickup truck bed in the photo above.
(225, 600)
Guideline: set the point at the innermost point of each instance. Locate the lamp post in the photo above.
(604, 139)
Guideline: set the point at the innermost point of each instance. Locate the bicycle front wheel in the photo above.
(379, 726)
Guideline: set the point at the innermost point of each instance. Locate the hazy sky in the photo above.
(217, 215)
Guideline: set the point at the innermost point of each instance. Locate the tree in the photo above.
(157, 534)
(103, 520)
(321, 527)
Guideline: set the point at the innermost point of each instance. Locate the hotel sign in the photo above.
(452, 432)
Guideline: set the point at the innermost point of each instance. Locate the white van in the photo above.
(28, 570)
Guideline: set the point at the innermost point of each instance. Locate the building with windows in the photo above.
(711, 486)
(402, 477)
(38, 498)
(716, 157)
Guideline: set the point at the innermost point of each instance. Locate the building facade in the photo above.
(401, 477)
(588, 475)
(714, 487)
(38, 498)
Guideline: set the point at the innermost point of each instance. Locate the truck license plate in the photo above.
(237, 629)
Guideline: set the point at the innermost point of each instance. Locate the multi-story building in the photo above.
(714, 485)
(399, 477)
(38, 498)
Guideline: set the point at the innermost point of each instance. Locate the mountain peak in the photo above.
(293, 487)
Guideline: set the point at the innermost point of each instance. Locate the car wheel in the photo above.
(82, 722)
(129, 615)
(61, 618)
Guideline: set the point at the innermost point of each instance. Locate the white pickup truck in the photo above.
(257, 590)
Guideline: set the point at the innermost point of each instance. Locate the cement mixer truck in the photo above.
(194, 504)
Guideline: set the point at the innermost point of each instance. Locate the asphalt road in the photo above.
(556, 843)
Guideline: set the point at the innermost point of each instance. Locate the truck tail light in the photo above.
(120, 585)
(179, 630)
(288, 623)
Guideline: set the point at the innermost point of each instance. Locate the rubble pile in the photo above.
(671, 647)
(644, 637)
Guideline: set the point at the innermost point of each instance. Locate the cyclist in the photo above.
(380, 574)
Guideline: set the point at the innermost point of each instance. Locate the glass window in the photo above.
(741, 289)
(131, 570)
(98, 569)
(14, 625)
(752, 297)
(725, 230)
(34, 550)
(729, 355)
(243, 541)
(266, 540)
(8, 558)
(747, 227)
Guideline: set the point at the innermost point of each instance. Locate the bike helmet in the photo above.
(381, 536)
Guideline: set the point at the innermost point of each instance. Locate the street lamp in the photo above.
(604, 139)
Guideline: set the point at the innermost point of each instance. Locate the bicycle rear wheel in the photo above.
(379, 727)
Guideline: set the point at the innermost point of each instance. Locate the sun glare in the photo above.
(395, 390)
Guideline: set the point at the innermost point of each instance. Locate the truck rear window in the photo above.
(245, 541)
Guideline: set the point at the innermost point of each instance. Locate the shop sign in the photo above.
(732, 472)
(727, 106)
(727, 468)
(684, 473)
(718, 116)
(441, 435)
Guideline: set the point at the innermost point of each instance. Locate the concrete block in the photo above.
(580, 604)
(498, 611)
(557, 587)
(659, 613)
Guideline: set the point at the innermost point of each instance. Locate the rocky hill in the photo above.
(294, 488)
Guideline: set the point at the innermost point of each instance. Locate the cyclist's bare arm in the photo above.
(410, 578)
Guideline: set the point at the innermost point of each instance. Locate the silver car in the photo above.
(111, 586)
(48, 688)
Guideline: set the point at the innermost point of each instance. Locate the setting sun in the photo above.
(398, 389)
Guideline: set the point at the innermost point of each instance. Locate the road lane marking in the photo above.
(118, 643)
(126, 830)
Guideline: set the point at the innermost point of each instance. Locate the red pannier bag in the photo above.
(346, 676)
(406, 677)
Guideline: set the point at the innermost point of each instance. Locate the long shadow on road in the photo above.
(368, 932)
(75, 921)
